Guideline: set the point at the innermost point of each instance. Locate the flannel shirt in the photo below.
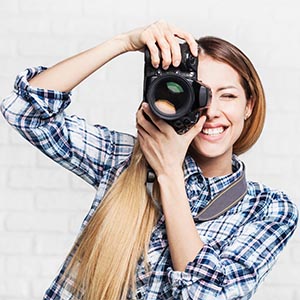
(241, 246)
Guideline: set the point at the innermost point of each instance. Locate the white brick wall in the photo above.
(42, 205)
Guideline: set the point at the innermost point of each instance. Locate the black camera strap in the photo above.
(218, 205)
(149, 187)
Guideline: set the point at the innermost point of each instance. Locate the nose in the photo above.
(213, 110)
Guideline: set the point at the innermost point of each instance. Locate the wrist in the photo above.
(122, 42)
(171, 177)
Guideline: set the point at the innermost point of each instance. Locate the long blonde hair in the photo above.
(105, 260)
(105, 256)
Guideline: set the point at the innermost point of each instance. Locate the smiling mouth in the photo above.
(213, 131)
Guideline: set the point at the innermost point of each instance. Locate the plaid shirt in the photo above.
(241, 246)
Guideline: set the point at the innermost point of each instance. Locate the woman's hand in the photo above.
(160, 36)
(163, 148)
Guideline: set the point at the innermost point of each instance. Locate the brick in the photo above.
(2, 266)
(63, 201)
(9, 7)
(8, 288)
(16, 243)
(53, 244)
(45, 162)
(8, 47)
(107, 8)
(50, 265)
(17, 156)
(30, 266)
(22, 266)
(39, 286)
(3, 132)
(170, 12)
(274, 292)
(17, 200)
(83, 26)
(36, 222)
(47, 8)
(6, 86)
(45, 46)
(283, 275)
(9, 65)
(2, 221)
(17, 140)
(24, 25)
(3, 178)
(30, 178)
(295, 247)
(78, 184)
(76, 222)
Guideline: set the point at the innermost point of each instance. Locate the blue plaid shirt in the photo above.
(241, 246)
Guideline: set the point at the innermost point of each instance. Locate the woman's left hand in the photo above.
(163, 148)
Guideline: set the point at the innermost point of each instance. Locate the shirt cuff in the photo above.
(46, 102)
(206, 267)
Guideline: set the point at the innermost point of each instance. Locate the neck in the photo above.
(215, 166)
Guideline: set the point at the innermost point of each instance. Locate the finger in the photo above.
(166, 41)
(174, 49)
(189, 39)
(146, 124)
(154, 53)
(156, 42)
(141, 132)
(160, 124)
(196, 129)
(165, 52)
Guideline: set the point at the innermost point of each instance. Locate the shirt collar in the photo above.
(213, 184)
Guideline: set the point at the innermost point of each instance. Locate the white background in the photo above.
(42, 205)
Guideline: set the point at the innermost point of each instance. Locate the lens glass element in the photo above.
(170, 97)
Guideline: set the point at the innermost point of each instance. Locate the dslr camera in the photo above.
(175, 95)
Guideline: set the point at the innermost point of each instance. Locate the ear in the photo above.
(249, 107)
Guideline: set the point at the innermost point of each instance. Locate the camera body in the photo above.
(174, 94)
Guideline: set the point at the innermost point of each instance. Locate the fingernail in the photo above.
(196, 50)
(176, 63)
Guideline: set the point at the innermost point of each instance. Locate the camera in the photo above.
(174, 94)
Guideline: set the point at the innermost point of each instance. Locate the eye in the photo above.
(228, 96)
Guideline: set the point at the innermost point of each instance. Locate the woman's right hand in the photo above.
(160, 36)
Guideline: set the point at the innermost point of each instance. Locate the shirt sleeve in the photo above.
(233, 268)
(39, 116)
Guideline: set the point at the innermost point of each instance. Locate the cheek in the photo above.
(237, 122)
(235, 115)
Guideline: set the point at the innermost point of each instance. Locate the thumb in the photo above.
(196, 128)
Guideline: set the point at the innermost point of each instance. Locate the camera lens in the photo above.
(170, 97)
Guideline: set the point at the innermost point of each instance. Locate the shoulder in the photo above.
(275, 205)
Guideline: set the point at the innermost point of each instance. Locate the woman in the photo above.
(129, 249)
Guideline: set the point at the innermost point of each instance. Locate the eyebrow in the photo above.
(226, 87)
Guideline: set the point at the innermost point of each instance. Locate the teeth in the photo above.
(213, 131)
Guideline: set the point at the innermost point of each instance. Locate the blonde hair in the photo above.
(104, 263)
(105, 256)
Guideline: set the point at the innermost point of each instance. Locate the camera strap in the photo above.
(225, 200)
(149, 187)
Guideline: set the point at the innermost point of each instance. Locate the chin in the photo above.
(211, 151)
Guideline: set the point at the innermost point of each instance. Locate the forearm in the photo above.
(67, 74)
(183, 238)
